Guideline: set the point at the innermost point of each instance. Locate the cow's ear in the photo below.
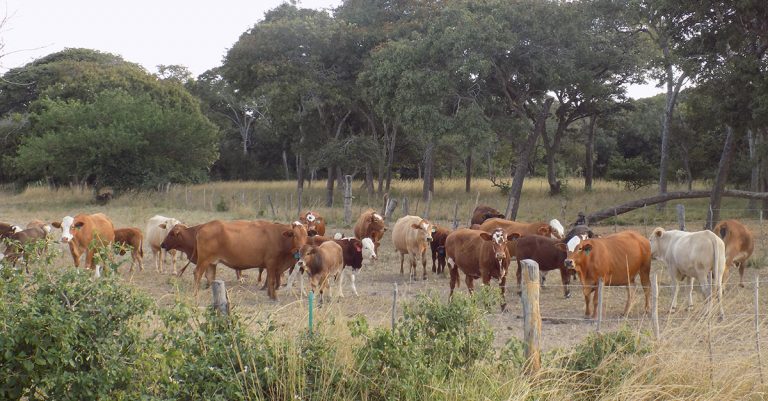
(590, 234)
(163, 226)
(543, 230)
(385, 229)
(288, 234)
(514, 236)
(416, 226)
(79, 225)
(486, 236)
(56, 224)
(587, 248)
(658, 232)
(561, 246)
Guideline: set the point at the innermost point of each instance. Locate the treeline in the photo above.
(414, 89)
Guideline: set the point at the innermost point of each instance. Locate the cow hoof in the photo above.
(567, 295)
(741, 285)
(503, 307)
(424, 277)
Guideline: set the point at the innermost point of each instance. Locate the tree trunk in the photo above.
(754, 179)
(329, 186)
(524, 156)
(686, 159)
(428, 166)
(369, 179)
(285, 165)
(468, 170)
(589, 163)
(713, 216)
(673, 88)
(551, 151)
(299, 171)
(391, 157)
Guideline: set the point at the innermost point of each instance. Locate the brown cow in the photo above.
(314, 222)
(483, 213)
(354, 252)
(617, 259)
(242, 244)
(739, 245)
(18, 240)
(370, 225)
(545, 251)
(411, 236)
(86, 233)
(6, 230)
(321, 262)
(131, 237)
(183, 238)
(552, 229)
(438, 248)
(479, 255)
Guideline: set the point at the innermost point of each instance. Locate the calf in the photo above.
(131, 237)
(438, 248)
(411, 236)
(370, 225)
(315, 223)
(478, 254)
(19, 240)
(692, 255)
(483, 213)
(546, 252)
(739, 245)
(86, 233)
(321, 263)
(157, 229)
(617, 259)
(355, 253)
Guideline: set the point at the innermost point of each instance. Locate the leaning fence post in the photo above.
(406, 212)
(311, 298)
(681, 216)
(394, 307)
(455, 224)
(271, 206)
(220, 301)
(655, 305)
(531, 315)
(599, 303)
(757, 326)
(347, 199)
(391, 205)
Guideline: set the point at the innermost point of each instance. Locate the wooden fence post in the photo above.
(429, 205)
(757, 326)
(299, 198)
(271, 206)
(455, 224)
(347, 199)
(655, 305)
(405, 206)
(599, 303)
(531, 315)
(681, 216)
(220, 301)
(391, 205)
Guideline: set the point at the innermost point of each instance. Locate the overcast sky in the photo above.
(193, 33)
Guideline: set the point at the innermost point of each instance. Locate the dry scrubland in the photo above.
(696, 359)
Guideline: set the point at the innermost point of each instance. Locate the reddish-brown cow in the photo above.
(7, 229)
(321, 262)
(131, 237)
(545, 251)
(245, 244)
(483, 213)
(86, 233)
(314, 222)
(354, 253)
(183, 238)
(438, 248)
(739, 245)
(552, 229)
(617, 259)
(478, 254)
(370, 225)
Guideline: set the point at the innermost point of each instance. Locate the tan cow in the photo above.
(86, 233)
(321, 262)
(131, 237)
(246, 244)
(616, 258)
(411, 236)
(157, 229)
(370, 225)
(314, 222)
(478, 254)
(739, 245)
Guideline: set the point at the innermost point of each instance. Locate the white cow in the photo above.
(411, 235)
(691, 254)
(157, 229)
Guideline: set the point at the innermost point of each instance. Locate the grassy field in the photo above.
(695, 359)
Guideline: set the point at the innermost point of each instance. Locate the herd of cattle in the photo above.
(484, 250)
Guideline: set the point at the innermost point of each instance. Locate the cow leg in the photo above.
(173, 260)
(503, 288)
(412, 273)
(75, 251)
(645, 280)
(210, 276)
(434, 265)
(352, 275)
(424, 264)
(519, 277)
(742, 264)
(470, 283)
(454, 270)
(340, 278)
(673, 306)
(543, 276)
(595, 297)
(261, 270)
(402, 259)
(703, 288)
(566, 279)
(156, 252)
(628, 306)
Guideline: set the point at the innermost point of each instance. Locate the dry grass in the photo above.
(679, 366)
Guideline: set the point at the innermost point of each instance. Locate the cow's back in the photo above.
(403, 234)
(99, 228)
(541, 249)
(462, 247)
(625, 251)
(241, 243)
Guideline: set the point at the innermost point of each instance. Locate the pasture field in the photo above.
(693, 352)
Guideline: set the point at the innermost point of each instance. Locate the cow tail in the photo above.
(141, 248)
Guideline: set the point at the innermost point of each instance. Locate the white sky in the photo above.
(192, 33)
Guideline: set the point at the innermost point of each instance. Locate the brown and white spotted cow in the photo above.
(370, 225)
(314, 222)
(86, 233)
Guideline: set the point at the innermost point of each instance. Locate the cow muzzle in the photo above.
(64, 240)
(569, 265)
(311, 232)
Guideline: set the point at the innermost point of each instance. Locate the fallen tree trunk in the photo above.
(636, 204)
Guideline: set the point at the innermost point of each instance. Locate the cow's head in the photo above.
(305, 255)
(498, 241)
(68, 227)
(578, 250)
(312, 220)
(6, 230)
(174, 239)
(656, 238)
(425, 229)
(298, 236)
(552, 229)
(368, 250)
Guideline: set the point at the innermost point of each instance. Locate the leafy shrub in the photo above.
(68, 337)
(634, 172)
(432, 341)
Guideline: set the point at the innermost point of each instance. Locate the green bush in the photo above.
(634, 172)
